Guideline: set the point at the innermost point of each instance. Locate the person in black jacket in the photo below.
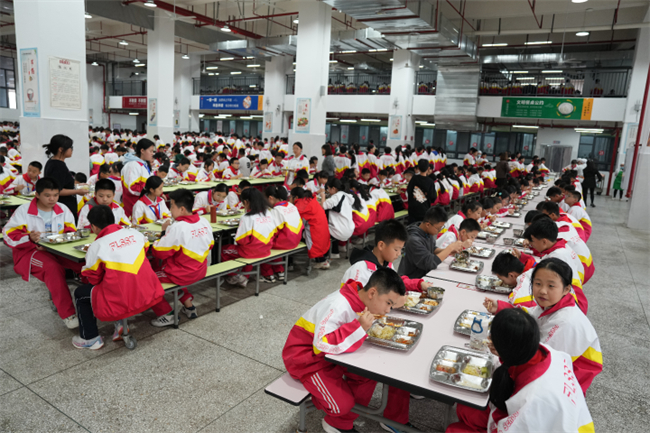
(421, 192)
(58, 150)
(590, 173)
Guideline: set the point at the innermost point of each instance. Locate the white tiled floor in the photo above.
(209, 375)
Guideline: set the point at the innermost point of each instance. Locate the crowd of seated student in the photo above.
(542, 88)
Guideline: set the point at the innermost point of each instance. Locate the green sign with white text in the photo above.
(547, 108)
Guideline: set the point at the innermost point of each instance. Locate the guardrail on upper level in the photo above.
(228, 85)
(351, 83)
(127, 88)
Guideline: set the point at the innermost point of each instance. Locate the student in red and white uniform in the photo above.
(221, 197)
(262, 170)
(387, 159)
(543, 169)
(25, 183)
(183, 250)
(534, 389)
(110, 157)
(113, 294)
(486, 176)
(205, 173)
(339, 205)
(475, 182)
(471, 209)
(6, 177)
(295, 163)
(313, 165)
(543, 238)
(513, 273)
(374, 163)
(151, 206)
(104, 196)
(466, 233)
(96, 159)
(338, 324)
(289, 230)
(178, 170)
(30, 221)
(220, 165)
(316, 229)
(561, 323)
(573, 198)
(469, 160)
(383, 203)
(364, 210)
(232, 172)
(365, 178)
(277, 165)
(255, 235)
(135, 173)
(115, 177)
(342, 163)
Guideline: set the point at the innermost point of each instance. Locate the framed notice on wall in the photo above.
(29, 86)
(177, 118)
(268, 121)
(303, 115)
(152, 112)
(394, 127)
(65, 84)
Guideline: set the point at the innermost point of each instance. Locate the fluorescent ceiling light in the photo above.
(201, 115)
(257, 116)
(140, 65)
(372, 51)
(348, 121)
(210, 68)
(252, 66)
(225, 59)
(246, 117)
(538, 43)
(136, 61)
(87, 15)
(582, 34)
(391, 60)
(525, 78)
(421, 66)
(331, 118)
(210, 73)
(334, 61)
(578, 1)
(371, 120)
(294, 63)
(150, 4)
(253, 85)
(525, 126)
(133, 114)
(383, 49)
(295, 21)
(592, 130)
(348, 52)
(519, 72)
(235, 73)
(185, 57)
(496, 45)
(225, 29)
(551, 72)
(249, 57)
(123, 42)
(94, 64)
(351, 68)
(136, 73)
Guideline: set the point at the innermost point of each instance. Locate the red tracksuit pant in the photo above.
(231, 252)
(470, 420)
(336, 396)
(163, 307)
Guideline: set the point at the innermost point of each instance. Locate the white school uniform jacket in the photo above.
(550, 400)
(204, 199)
(313, 186)
(24, 180)
(574, 241)
(256, 173)
(583, 217)
(118, 188)
(295, 164)
(145, 211)
(340, 216)
(446, 239)
(118, 213)
(522, 294)
(204, 176)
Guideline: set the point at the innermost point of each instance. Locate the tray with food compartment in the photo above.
(232, 222)
(463, 324)
(61, 238)
(162, 221)
(463, 368)
(490, 283)
(82, 248)
(394, 333)
(514, 215)
(229, 212)
(424, 303)
(486, 235)
(473, 266)
(484, 253)
(494, 230)
(501, 225)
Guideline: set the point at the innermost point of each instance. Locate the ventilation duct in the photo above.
(457, 97)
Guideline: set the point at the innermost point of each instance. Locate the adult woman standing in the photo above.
(296, 162)
(590, 174)
(136, 171)
(58, 150)
(502, 169)
(329, 166)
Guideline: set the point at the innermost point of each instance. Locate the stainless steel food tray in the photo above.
(484, 253)
(463, 317)
(433, 294)
(402, 331)
(491, 283)
(459, 358)
(477, 266)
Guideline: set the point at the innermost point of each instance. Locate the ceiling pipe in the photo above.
(532, 7)
(117, 36)
(618, 41)
(262, 17)
(556, 30)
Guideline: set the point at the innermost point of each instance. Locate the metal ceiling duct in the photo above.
(259, 48)
(457, 97)
(626, 57)
(359, 40)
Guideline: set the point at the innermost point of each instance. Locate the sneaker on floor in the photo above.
(290, 268)
(162, 321)
(329, 429)
(191, 312)
(94, 344)
(393, 430)
(335, 256)
(343, 248)
(71, 322)
(269, 279)
(417, 397)
(321, 265)
(356, 241)
(593, 205)
(242, 281)
(119, 330)
(280, 275)
(232, 280)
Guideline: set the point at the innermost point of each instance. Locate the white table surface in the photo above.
(443, 272)
(410, 370)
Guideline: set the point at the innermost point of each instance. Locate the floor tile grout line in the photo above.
(22, 385)
(57, 409)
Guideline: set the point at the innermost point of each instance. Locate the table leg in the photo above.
(218, 294)
(176, 309)
(375, 414)
(257, 281)
(449, 411)
(305, 407)
(219, 249)
(286, 269)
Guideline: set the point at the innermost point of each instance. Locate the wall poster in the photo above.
(268, 121)
(303, 115)
(29, 86)
(65, 84)
(152, 112)
(177, 118)
(394, 127)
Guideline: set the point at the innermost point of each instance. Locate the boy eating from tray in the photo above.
(183, 249)
(42, 216)
(466, 233)
(25, 183)
(389, 241)
(104, 196)
(336, 325)
(513, 273)
(121, 281)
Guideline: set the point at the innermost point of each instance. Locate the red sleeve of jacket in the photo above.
(340, 334)
(502, 305)
(563, 229)
(526, 258)
(473, 188)
(412, 285)
(585, 371)
(94, 276)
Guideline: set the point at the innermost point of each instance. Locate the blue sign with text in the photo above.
(231, 102)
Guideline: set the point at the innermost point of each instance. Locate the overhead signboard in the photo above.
(231, 102)
(547, 108)
(135, 102)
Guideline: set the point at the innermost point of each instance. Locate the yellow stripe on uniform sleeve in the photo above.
(587, 428)
(592, 355)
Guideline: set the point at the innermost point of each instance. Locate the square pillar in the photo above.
(160, 74)
(275, 83)
(401, 124)
(185, 71)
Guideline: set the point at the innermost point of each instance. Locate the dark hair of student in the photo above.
(361, 189)
(423, 165)
(327, 148)
(386, 280)
(539, 217)
(243, 184)
(313, 159)
(256, 201)
(548, 207)
(553, 191)
(105, 185)
(322, 175)
(435, 215)
(515, 335)
(183, 198)
(472, 205)
(143, 144)
(164, 168)
(46, 183)
(560, 267)
(153, 182)
(57, 142)
(365, 171)
(279, 193)
(504, 263)
(37, 164)
(208, 163)
(334, 183)
(357, 205)
(300, 193)
(409, 171)
(302, 174)
(389, 231)
(2, 158)
(530, 215)
(81, 177)
(183, 161)
(221, 187)
(299, 144)
(233, 160)
(101, 216)
(574, 194)
(487, 203)
(544, 228)
(469, 225)
(103, 169)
